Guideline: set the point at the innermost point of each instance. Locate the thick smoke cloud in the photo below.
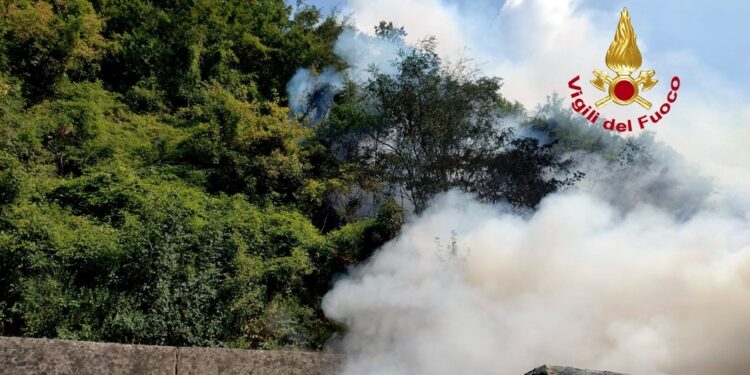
(578, 283)
(644, 267)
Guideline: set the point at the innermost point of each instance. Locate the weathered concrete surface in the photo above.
(199, 361)
(57, 357)
(561, 370)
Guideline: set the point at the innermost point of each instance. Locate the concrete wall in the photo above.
(58, 357)
(42, 356)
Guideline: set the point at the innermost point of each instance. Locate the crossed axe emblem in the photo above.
(623, 89)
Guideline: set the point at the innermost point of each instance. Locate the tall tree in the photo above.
(432, 127)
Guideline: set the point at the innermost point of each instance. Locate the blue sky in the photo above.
(716, 32)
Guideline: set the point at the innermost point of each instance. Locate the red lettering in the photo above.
(671, 98)
(609, 124)
(572, 83)
(656, 117)
(642, 121)
(578, 105)
(675, 84)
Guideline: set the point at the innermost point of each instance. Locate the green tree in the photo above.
(155, 189)
(251, 48)
(10, 179)
(70, 124)
(250, 147)
(43, 40)
(432, 127)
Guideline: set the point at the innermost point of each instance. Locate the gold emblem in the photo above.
(624, 57)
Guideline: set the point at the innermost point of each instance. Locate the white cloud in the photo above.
(421, 18)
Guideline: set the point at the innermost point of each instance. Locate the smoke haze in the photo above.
(536, 46)
(312, 94)
(578, 283)
(642, 269)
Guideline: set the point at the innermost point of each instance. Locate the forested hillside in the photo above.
(155, 188)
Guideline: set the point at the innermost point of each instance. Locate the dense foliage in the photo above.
(155, 188)
(433, 127)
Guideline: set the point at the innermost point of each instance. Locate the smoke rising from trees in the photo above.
(641, 267)
(579, 282)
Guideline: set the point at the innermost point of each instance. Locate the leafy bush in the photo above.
(155, 188)
(10, 179)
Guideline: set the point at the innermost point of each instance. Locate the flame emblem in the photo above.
(624, 57)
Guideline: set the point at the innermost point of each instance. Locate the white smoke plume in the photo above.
(311, 94)
(578, 283)
(536, 46)
(363, 52)
(642, 268)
